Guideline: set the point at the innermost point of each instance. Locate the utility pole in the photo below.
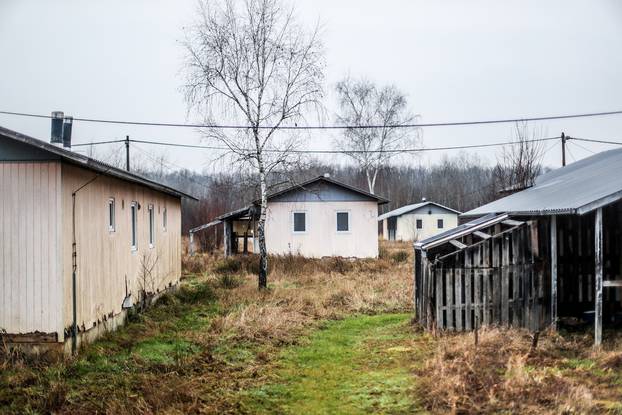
(127, 152)
(563, 150)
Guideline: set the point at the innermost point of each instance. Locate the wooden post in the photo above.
(191, 243)
(554, 272)
(598, 276)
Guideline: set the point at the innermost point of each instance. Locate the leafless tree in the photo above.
(251, 63)
(361, 102)
(519, 164)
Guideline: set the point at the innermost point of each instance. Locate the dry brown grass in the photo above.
(303, 291)
(503, 374)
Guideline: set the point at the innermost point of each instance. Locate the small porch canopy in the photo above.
(240, 224)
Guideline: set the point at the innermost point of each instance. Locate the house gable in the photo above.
(321, 191)
(11, 150)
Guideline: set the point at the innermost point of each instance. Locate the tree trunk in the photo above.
(261, 226)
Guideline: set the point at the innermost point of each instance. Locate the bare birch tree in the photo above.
(251, 63)
(519, 164)
(361, 103)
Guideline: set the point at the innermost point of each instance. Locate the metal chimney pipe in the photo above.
(67, 131)
(57, 127)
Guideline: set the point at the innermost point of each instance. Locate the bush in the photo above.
(399, 256)
(383, 252)
(229, 281)
(230, 265)
(195, 294)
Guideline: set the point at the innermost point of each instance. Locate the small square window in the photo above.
(419, 223)
(300, 222)
(111, 215)
(343, 221)
(439, 223)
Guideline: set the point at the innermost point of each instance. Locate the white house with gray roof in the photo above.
(417, 221)
(321, 217)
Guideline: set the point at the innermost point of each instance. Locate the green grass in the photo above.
(358, 365)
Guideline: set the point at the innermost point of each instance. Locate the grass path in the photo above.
(358, 365)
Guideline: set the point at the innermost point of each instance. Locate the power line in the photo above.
(596, 141)
(97, 142)
(402, 150)
(326, 127)
(582, 147)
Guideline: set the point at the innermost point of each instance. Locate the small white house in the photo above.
(417, 221)
(318, 218)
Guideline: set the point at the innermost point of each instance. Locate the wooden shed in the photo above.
(81, 242)
(546, 255)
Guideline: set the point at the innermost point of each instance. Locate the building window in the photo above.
(300, 221)
(111, 215)
(419, 223)
(151, 226)
(343, 221)
(164, 220)
(134, 219)
(439, 223)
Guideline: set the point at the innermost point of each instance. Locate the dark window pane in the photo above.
(440, 223)
(342, 222)
(419, 224)
(299, 222)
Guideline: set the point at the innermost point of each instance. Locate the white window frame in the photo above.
(151, 218)
(164, 220)
(294, 231)
(112, 215)
(134, 226)
(337, 222)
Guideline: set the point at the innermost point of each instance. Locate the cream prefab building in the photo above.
(123, 230)
(318, 218)
(417, 221)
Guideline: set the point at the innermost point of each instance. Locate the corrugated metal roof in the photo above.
(460, 230)
(578, 188)
(91, 164)
(409, 208)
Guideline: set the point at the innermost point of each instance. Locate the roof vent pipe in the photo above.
(57, 127)
(423, 199)
(67, 131)
(327, 175)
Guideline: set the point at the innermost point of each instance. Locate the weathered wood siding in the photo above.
(502, 280)
(105, 259)
(30, 254)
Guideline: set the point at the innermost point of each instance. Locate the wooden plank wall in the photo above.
(30, 262)
(495, 281)
(577, 258)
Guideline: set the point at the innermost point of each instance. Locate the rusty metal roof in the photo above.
(578, 188)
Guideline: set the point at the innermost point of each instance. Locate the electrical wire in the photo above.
(591, 140)
(326, 127)
(581, 147)
(402, 150)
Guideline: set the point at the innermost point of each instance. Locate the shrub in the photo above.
(383, 252)
(230, 265)
(195, 293)
(230, 281)
(399, 256)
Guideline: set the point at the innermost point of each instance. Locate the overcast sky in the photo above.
(455, 60)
